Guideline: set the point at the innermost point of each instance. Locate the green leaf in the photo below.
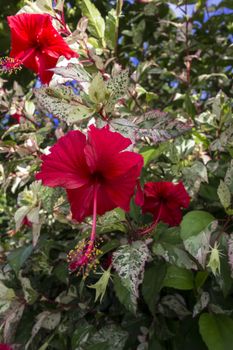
(20, 215)
(96, 24)
(17, 258)
(224, 194)
(73, 72)
(98, 92)
(81, 334)
(152, 283)
(62, 102)
(229, 177)
(190, 108)
(30, 294)
(173, 255)
(117, 87)
(170, 304)
(111, 335)
(216, 331)
(129, 262)
(200, 278)
(178, 278)
(101, 285)
(111, 221)
(194, 222)
(124, 295)
(110, 30)
(6, 297)
(38, 6)
(149, 155)
(198, 245)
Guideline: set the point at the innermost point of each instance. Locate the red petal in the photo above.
(81, 201)
(102, 148)
(65, 166)
(46, 62)
(171, 217)
(121, 189)
(25, 28)
(37, 43)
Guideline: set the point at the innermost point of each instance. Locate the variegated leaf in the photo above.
(129, 261)
(63, 102)
(117, 87)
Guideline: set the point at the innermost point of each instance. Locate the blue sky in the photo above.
(190, 9)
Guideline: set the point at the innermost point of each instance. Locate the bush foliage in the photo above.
(164, 81)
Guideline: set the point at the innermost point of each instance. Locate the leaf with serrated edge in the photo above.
(62, 103)
(129, 262)
(72, 71)
(117, 87)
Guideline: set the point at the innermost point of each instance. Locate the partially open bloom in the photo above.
(96, 172)
(37, 44)
(164, 201)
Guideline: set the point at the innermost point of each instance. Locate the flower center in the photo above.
(97, 177)
(162, 199)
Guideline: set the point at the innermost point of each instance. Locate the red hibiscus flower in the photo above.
(37, 44)
(164, 200)
(5, 347)
(96, 172)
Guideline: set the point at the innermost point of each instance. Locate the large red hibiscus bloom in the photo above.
(96, 172)
(164, 200)
(37, 44)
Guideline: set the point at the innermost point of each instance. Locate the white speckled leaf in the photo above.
(117, 86)
(62, 102)
(72, 71)
(129, 261)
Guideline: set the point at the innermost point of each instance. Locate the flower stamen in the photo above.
(10, 65)
(84, 257)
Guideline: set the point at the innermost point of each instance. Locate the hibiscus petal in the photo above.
(81, 201)
(25, 28)
(65, 166)
(102, 148)
(172, 218)
(121, 188)
(46, 62)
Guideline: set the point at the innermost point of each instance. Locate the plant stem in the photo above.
(155, 223)
(119, 5)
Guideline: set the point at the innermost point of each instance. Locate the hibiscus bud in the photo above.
(214, 261)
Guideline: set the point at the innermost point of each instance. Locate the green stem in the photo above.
(119, 5)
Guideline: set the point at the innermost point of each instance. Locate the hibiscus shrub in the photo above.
(116, 176)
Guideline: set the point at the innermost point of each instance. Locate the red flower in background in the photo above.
(5, 347)
(164, 200)
(37, 44)
(97, 175)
